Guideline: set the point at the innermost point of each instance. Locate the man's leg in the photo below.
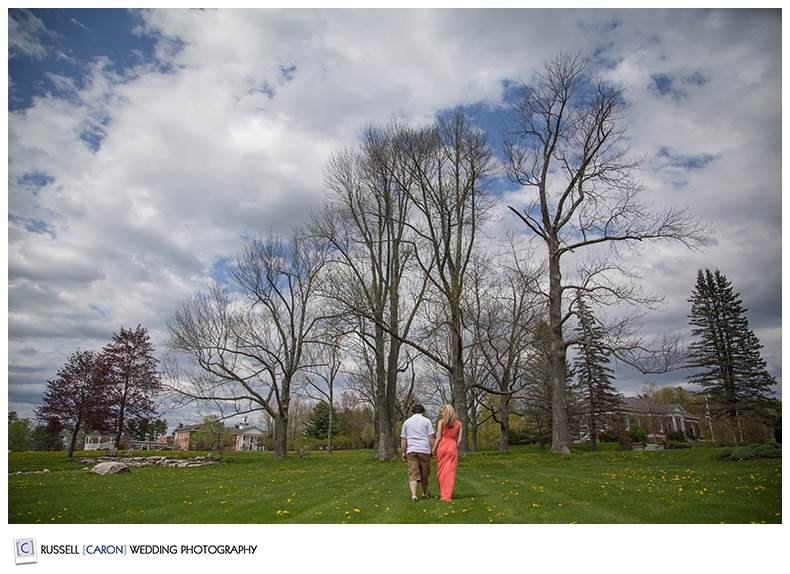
(414, 473)
(425, 473)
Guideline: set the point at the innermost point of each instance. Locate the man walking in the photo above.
(416, 442)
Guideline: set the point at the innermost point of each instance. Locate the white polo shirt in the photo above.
(416, 431)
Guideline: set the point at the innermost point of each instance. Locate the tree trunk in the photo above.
(458, 383)
(504, 422)
(73, 442)
(331, 419)
(389, 450)
(280, 436)
(386, 379)
(121, 416)
(560, 435)
(593, 434)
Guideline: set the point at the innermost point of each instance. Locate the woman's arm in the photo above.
(460, 433)
(438, 436)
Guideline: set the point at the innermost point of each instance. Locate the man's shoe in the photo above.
(414, 499)
(427, 494)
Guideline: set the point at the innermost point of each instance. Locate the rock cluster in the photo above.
(110, 465)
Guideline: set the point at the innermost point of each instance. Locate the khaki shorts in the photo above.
(419, 466)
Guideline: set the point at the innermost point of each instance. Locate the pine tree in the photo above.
(725, 357)
(317, 425)
(594, 376)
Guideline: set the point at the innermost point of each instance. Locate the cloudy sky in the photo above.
(143, 146)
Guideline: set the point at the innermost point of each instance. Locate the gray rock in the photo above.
(105, 468)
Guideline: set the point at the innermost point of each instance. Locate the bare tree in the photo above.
(452, 165)
(249, 348)
(502, 317)
(319, 379)
(564, 143)
(364, 222)
(653, 409)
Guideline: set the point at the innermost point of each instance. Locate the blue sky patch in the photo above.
(33, 225)
(691, 162)
(55, 43)
(662, 84)
(35, 180)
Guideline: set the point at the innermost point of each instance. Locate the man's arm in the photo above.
(403, 445)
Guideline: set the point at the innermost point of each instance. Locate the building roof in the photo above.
(247, 430)
(639, 405)
(234, 430)
(191, 428)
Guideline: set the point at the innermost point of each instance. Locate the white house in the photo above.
(248, 437)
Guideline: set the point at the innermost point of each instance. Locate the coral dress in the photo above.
(447, 460)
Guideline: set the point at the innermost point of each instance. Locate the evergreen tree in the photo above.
(48, 437)
(317, 425)
(725, 357)
(594, 376)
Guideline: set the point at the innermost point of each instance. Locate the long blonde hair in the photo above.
(448, 414)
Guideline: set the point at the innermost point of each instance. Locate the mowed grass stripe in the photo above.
(525, 485)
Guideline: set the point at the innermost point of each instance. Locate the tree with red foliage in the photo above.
(78, 398)
(132, 379)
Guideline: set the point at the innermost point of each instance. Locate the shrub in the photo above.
(676, 436)
(307, 443)
(741, 453)
(768, 450)
(611, 436)
(638, 434)
(341, 441)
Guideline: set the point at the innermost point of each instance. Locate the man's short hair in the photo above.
(418, 408)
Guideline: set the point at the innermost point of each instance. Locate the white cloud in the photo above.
(127, 186)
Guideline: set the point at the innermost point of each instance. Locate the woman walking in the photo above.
(448, 436)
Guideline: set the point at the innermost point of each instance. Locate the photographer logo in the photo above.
(25, 550)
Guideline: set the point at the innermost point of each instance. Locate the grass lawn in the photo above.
(524, 486)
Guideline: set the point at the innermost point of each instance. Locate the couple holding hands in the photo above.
(419, 443)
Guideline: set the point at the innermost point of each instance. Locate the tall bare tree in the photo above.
(564, 143)
(249, 348)
(452, 165)
(365, 224)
